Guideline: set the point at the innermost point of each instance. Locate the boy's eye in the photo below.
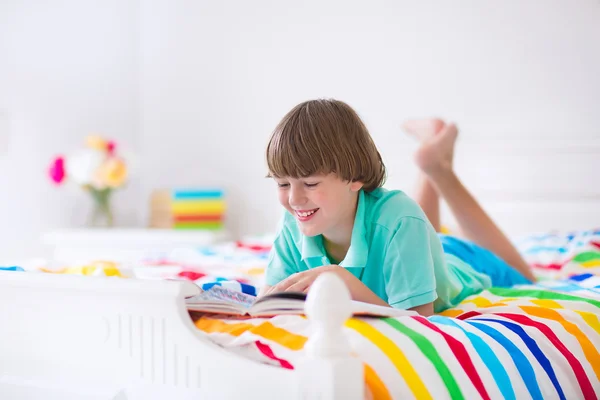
(310, 185)
(283, 185)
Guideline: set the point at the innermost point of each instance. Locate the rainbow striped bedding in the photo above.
(538, 341)
(556, 255)
(534, 341)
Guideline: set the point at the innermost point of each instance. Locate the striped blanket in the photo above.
(556, 255)
(525, 342)
(535, 341)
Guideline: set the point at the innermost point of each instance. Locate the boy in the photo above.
(381, 243)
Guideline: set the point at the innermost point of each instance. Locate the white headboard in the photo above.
(533, 185)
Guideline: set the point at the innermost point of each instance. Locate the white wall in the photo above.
(217, 77)
(195, 88)
(67, 69)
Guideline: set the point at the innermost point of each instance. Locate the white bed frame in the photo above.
(74, 337)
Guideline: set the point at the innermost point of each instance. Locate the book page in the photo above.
(218, 294)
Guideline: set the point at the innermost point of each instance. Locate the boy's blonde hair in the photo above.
(323, 136)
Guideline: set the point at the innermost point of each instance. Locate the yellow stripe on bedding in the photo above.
(590, 264)
(452, 313)
(482, 302)
(395, 355)
(479, 301)
(589, 318)
(546, 303)
(375, 384)
(265, 330)
(210, 325)
(589, 350)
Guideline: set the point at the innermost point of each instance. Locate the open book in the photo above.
(219, 300)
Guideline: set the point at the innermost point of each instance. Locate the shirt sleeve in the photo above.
(282, 262)
(409, 266)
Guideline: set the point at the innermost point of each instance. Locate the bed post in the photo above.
(329, 372)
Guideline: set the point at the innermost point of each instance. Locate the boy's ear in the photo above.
(355, 186)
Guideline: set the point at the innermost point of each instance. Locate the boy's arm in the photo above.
(302, 281)
(425, 310)
(361, 292)
(358, 290)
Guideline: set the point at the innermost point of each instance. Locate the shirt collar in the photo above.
(312, 246)
(359, 250)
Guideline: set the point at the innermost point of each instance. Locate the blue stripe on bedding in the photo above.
(571, 288)
(581, 277)
(521, 362)
(535, 350)
(487, 356)
(540, 249)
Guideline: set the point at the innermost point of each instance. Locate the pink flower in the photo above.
(110, 147)
(57, 170)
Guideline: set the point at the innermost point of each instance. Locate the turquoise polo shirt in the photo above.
(394, 251)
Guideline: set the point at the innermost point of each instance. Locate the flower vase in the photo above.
(101, 215)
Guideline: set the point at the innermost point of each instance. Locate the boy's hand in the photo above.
(302, 281)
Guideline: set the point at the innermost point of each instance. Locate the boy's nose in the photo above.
(297, 197)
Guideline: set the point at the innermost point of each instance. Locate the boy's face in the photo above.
(321, 204)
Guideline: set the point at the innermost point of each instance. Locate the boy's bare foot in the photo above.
(436, 153)
(423, 129)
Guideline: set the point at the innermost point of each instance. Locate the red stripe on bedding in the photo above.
(549, 266)
(580, 374)
(468, 315)
(582, 379)
(267, 351)
(461, 354)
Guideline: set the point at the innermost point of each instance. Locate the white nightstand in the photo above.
(123, 245)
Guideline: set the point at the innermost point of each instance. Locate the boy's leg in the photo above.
(429, 200)
(425, 194)
(434, 158)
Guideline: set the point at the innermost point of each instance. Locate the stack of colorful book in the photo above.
(187, 209)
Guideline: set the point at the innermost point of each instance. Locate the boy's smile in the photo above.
(322, 204)
(305, 215)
